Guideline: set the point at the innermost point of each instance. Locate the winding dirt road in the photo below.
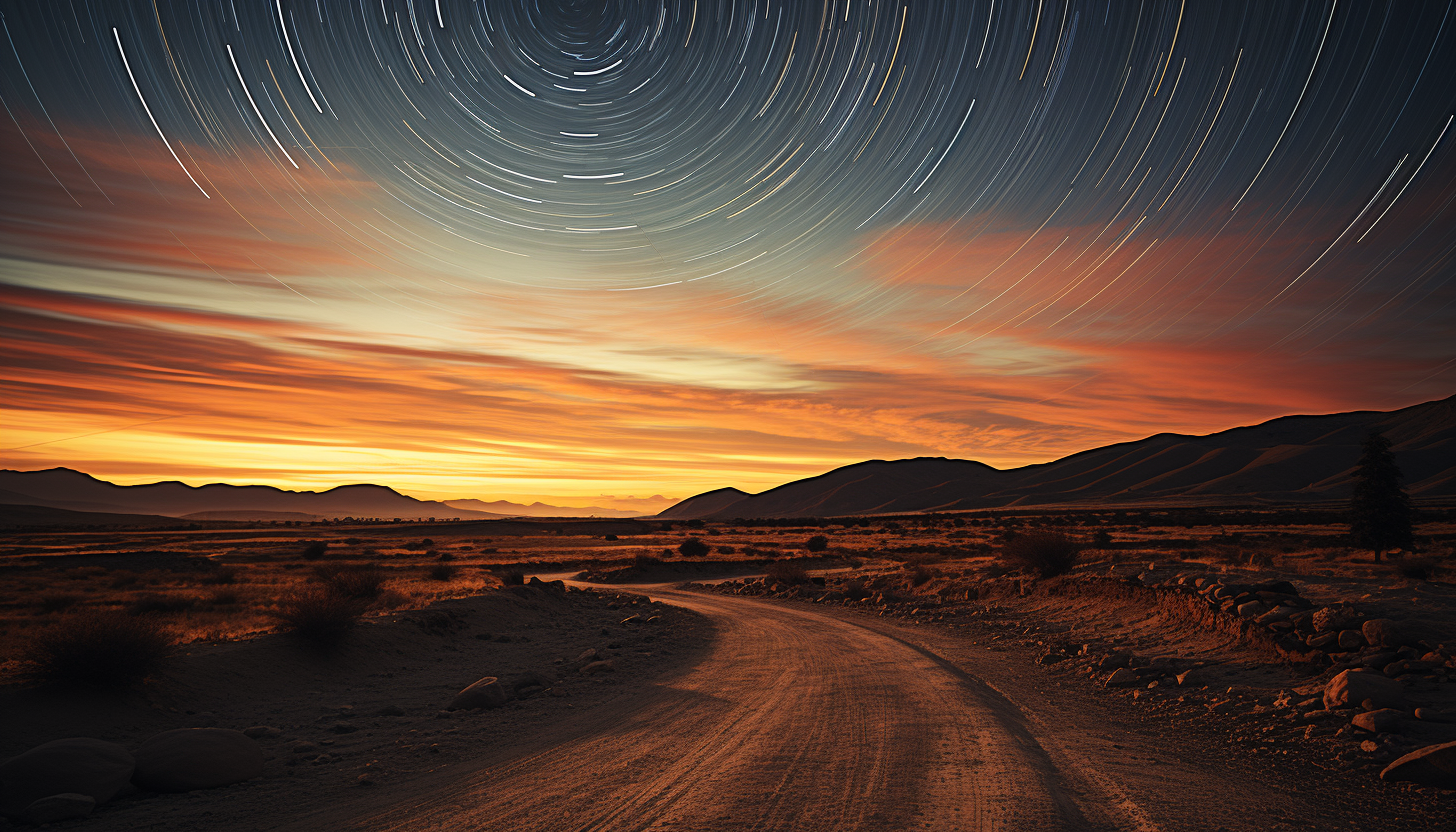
(805, 719)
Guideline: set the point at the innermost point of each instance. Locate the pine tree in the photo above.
(1380, 510)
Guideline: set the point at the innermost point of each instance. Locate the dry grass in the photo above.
(320, 616)
(787, 572)
(102, 649)
(1043, 553)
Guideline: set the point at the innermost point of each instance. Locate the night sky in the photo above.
(561, 250)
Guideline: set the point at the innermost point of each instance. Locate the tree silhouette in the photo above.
(1380, 510)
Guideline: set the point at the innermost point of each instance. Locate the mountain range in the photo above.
(63, 488)
(1292, 459)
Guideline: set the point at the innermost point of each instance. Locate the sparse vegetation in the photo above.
(787, 572)
(642, 560)
(319, 615)
(817, 543)
(694, 548)
(315, 550)
(53, 602)
(362, 582)
(1044, 553)
(100, 649)
(443, 572)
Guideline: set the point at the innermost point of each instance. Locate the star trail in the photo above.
(534, 249)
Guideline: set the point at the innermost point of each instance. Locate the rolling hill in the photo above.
(1287, 460)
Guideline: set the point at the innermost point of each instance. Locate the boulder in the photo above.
(1382, 632)
(59, 807)
(95, 768)
(1252, 609)
(1434, 765)
(1380, 721)
(599, 667)
(531, 679)
(1353, 687)
(188, 759)
(1334, 619)
(1350, 640)
(484, 693)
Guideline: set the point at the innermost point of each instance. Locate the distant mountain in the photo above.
(1290, 459)
(72, 490)
(506, 508)
(14, 516)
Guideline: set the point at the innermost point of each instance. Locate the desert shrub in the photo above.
(642, 560)
(443, 572)
(225, 574)
(1416, 569)
(920, 575)
(445, 556)
(726, 550)
(1045, 553)
(99, 649)
(319, 615)
(123, 579)
(161, 604)
(511, 577)
(362, 582)
(787, 572)
(693, 548)
(854, 589)
(57, 601)
(315, 550)
(817, 543)
(610, 538)
(224, 598)
(1102, 539)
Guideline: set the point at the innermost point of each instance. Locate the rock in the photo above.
(1382, 721)
(1334, 619)
(1197, 677)
(1276, 615)
(587, 655)
(304, 747)
(1378, 660)
(1051, 658)
(484, 693)
(390, 710)
(1350, 640)
(1124, 678)
(531, 679)
(95, 768)
(1352, 687)
(1404, 666)
(1324, 641)
(1382, 632)
(259, 732)
(1434, 765)
(1431, 715)
(196, 758)
(60, 807)
(1113, 661)
(343, 728)
(607, 666)
(1252, 609)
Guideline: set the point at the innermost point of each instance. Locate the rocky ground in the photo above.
(381, 710)
(1336, 685)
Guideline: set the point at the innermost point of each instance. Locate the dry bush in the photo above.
(1416, 569)
(442, 572)
(920, 575)
(319, 615)
(854, 589)
(817, 543)
(224, 598)
(694, 548)
(222, 575)
(787, 572)
(57, 601)
(1045, 553)
(726, 550)
(99, 649)
(642, 560)
(161, 604)
(123, 579)
(361, 582)
(315, 550)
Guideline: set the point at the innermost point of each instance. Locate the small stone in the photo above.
(588, 655)
(259, 732)
(1351, 640)
(59, 807)
(1252, 609)
(304, 747)
(1369, 746)
(1197, 677)
(1351, 687)
(390, 710)
(1123, 678)
(1382, 721)
(343, 728)
(606, 666)
(483, 693)
(1382, 632)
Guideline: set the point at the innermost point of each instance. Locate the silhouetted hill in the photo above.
(711, 502)
(506, 508)
(75, 491)
(1290, 459)
(23, 517)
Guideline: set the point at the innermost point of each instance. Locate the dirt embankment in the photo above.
(371, 715)
(1247, 656)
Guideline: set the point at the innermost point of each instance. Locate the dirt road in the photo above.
(810, 720)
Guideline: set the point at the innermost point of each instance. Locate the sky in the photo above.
(620, 253)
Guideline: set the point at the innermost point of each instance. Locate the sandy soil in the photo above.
(330, 709)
